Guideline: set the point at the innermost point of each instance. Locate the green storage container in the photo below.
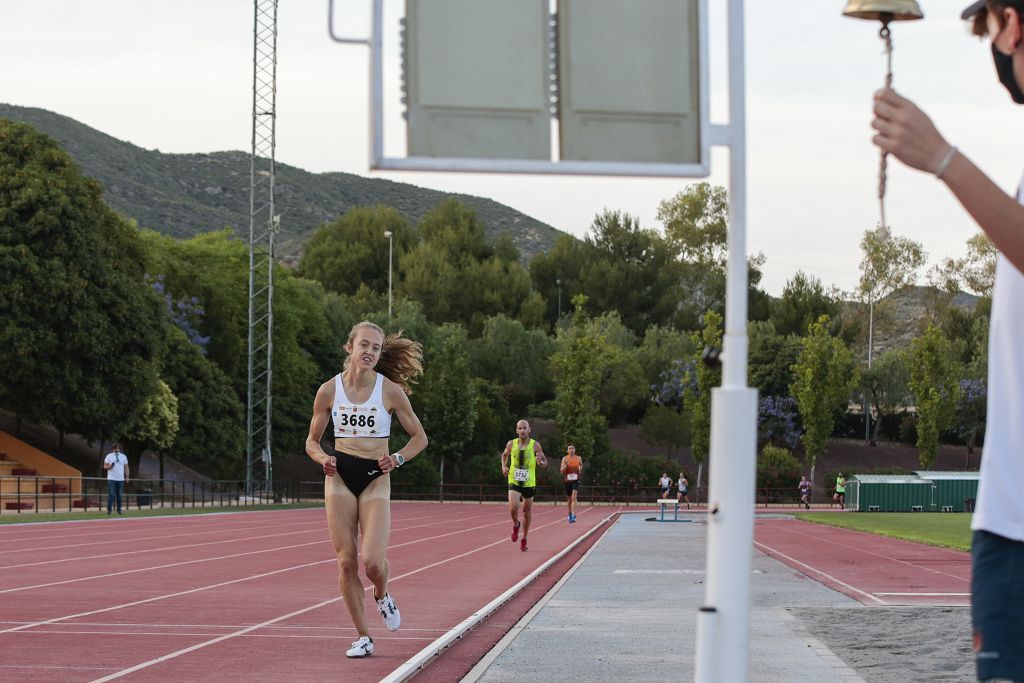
(951, 490)
(888, 493)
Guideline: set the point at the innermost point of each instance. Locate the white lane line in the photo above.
(208, 559)
(319, 530)
(671, 571)
(846, 547)
(122, 541)
(162, 566)
(207, 634)
(133, 525)
(205, 559)
(769, 549)
(227, 636)
(929, 595)
(161, 597)
(128, 525)
(157, 550)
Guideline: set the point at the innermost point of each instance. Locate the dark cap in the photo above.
(976, 7)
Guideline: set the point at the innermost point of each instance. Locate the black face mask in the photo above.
(1004, 67)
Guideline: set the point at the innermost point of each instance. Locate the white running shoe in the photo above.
(389, 613)
(361, 648)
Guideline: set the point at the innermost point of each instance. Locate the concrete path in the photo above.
(629, 613)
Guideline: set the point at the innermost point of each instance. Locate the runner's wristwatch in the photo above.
(399, 459)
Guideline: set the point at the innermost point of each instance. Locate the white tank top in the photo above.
(368, 419)
(1000, 506)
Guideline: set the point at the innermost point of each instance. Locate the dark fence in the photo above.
(25, 494)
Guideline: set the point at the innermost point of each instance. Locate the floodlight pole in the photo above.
(723, 622)
(263, 226)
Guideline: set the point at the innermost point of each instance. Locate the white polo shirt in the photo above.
(119, 460)
(999, 508)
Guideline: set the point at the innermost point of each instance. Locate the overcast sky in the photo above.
(177, 77)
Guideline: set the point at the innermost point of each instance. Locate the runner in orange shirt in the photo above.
(572, 466)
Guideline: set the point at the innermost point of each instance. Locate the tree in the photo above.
(770, 358)
(696, 229)
(696, 224)
(776, 421)
(886, 385)
(445, 398)
(661, 347)
(558, 271)
(663, 426)
(888, 263)
(803, 300)
(211, 417)
(630, 271)
(213, 268)
(824, 376)
(514, 358)
(578, 367)
(702, 381)
(352, 250)
(935, 381)
(154, 425)
(971, 414)
(976, 271)
(78, 325)
(457, 277)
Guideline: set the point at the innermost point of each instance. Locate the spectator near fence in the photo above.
(116, 465)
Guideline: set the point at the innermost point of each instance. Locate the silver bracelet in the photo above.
(946, 161)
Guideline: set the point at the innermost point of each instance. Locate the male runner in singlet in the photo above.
(521, 473)
(572, 466)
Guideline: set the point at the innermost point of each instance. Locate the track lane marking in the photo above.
(203, 559)
(319, 529)
(928, 570)
(227, 636)
(769, 550)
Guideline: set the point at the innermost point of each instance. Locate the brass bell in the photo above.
(883, 10)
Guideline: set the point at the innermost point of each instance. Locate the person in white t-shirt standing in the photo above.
(997, 546)
(116, 465)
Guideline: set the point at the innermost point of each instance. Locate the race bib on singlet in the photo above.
(572, 476)
(520, 474)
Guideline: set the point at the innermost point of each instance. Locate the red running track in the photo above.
(871, 569)
(232, 596)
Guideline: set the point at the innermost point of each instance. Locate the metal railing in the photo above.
(29, 494)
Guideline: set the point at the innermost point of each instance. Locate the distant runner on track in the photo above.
(571, 468)
(357, 489)
(526, 454)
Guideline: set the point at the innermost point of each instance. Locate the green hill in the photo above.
(186, 194)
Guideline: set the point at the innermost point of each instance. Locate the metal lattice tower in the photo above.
(263, 224)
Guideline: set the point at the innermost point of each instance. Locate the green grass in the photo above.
(945, 530)
(11, 517)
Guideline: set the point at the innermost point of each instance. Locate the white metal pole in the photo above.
(391, 242)
(871, 346)
(723, 624)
